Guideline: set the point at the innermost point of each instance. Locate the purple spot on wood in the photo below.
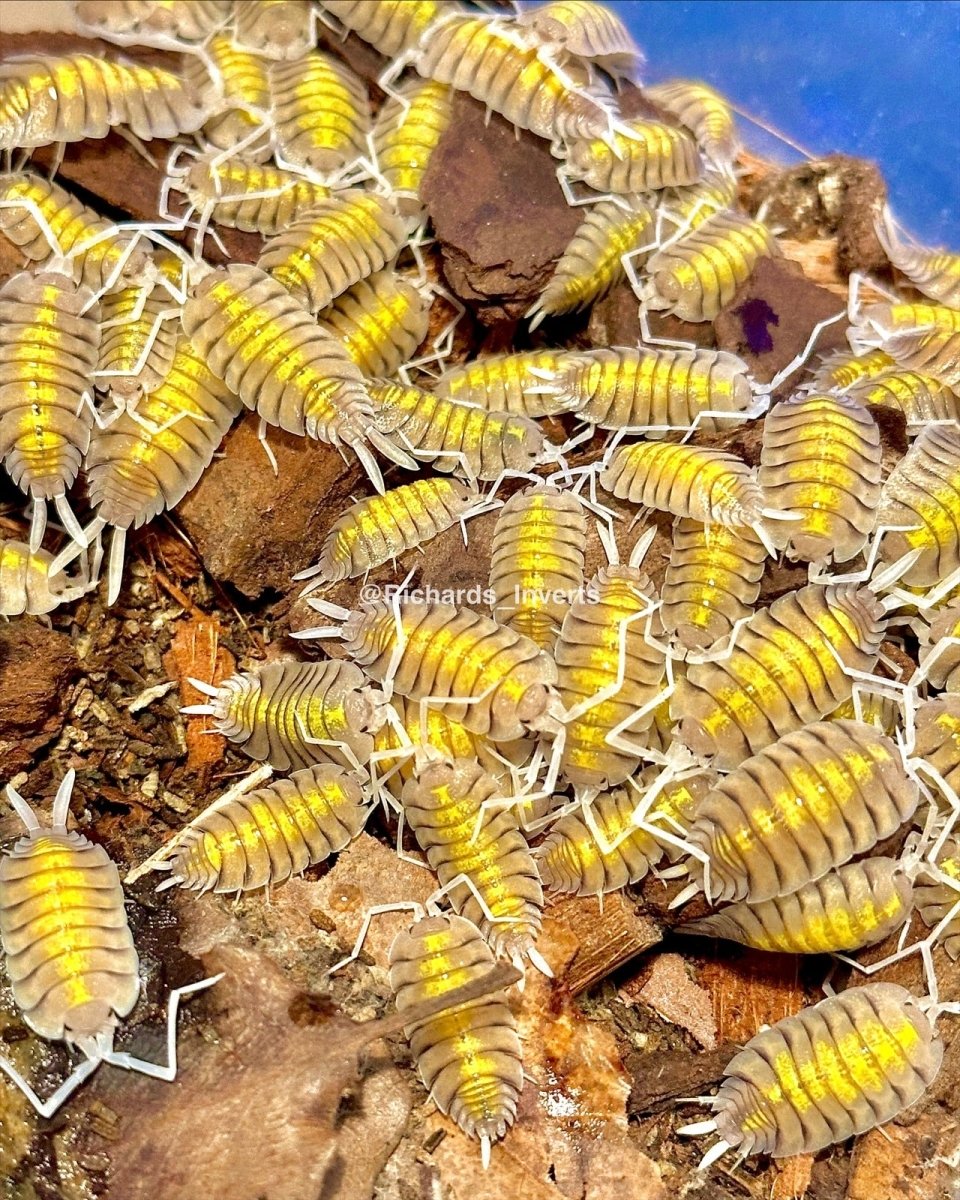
(755, 315)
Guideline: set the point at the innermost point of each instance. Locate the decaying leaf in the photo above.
(196, 652)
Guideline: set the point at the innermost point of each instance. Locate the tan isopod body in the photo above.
(654, 156)
(696, 275)
(938, 737)
(837, 1069)
(28, 586)
(712, 581)
(380, 321)
(591, 32)
(442, 804)
(704, 112)
(936, 899)
(243, 108)
(536, 561)
(848, 908)
(821, 457)
(783, 672)
(941, 639)
(379, 528)
(393, 27)
(489, 678)
(47, 99)
(921, 398)
(507, 383)
(343, 240)
(139, 341)
(923, 494)
(144, 22)
(802, 806)
(625, 387)
(469, 1057)
(321, 113)
(110, 258)
(920, 337)
(935, 273)
(405, 137)
(295, 715)
(451, 436)
(711, 486)
(592, 262)
(268, 835)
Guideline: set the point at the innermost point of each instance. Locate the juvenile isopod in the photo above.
(294, 715)
(837, 1069)
(650, 157)
(517, 382)
(29, 586)
(788, 667)
(704, 112)
(407, 131)
(277, 29)
(265, 836)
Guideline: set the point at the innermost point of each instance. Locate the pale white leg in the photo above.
(168, 1072)
(46, 1108)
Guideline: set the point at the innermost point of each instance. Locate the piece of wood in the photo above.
(608, 936)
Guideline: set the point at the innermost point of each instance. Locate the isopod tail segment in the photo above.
(589, 197)
(96, 1049)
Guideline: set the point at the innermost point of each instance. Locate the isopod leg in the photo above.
(46, 1108)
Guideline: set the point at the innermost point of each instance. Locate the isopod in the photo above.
(922, 399)
(802, 806)
(704, 112)
(536, 561)
(139, 341)
(451, 436)
(846, 909)
(405, 135)
(265, 836)
(939, 653)
(462, 839)
(652, 156)
(277, 29)
(787, 668)
(515, 382)
(146, 23)
(936, 899)
(28, 585)
(469, 1057)
(842, 370)
(836, 1069)
(938, 738)
(920, 337)
(589, 31)
(321, 113)
(296, 714)
(935, 273)
(49, 343)
(820, 458)
(711, 583)
(379, 528)
(695, 275)
(242, 112)
(341, 241)
(394, 27)
(380, 321)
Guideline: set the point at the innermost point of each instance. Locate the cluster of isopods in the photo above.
(582, 730)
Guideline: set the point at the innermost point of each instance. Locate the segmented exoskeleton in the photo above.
(712, 581)
(277, 29)
(939, 651)
(610, 677)
(49, 342)
(536, 561)
(935, 899)
(268, 350)
(242, 112)
(427, 726)
(570, 859)
(515, 382)
(146, 461)
(938, 738)
(692, 206)
(854, 906)
(935, 273)
(379, 528)
(653, 156)
(341, 241)
(380, 321)
(268, 835)
(468, 1057)
(694, 276)
(592, 262)
(839, 1068)
(321, 113)
(654, 389)
(77, 96)
(146, 23)
(28, 586)
(802, 806)
(46, 222)
(245, 195)
(711, 486)
(443, 804)
(489, 678)
(405, 136)
(589, 31)
(923, 494)
(394, 27)
(294, 715)
(921, 398)
(820, 458)
(704, 112)
(450, 436)
(783, 672)
(843, 369)
(68, 951)
(920, 337)
(488, 60)
(139, 341)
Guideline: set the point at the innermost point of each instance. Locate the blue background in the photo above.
(875, 78)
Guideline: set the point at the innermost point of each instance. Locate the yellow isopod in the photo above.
(935, 273)
(407, 131)
(242, 111)
(321, 113)
(704, 112)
